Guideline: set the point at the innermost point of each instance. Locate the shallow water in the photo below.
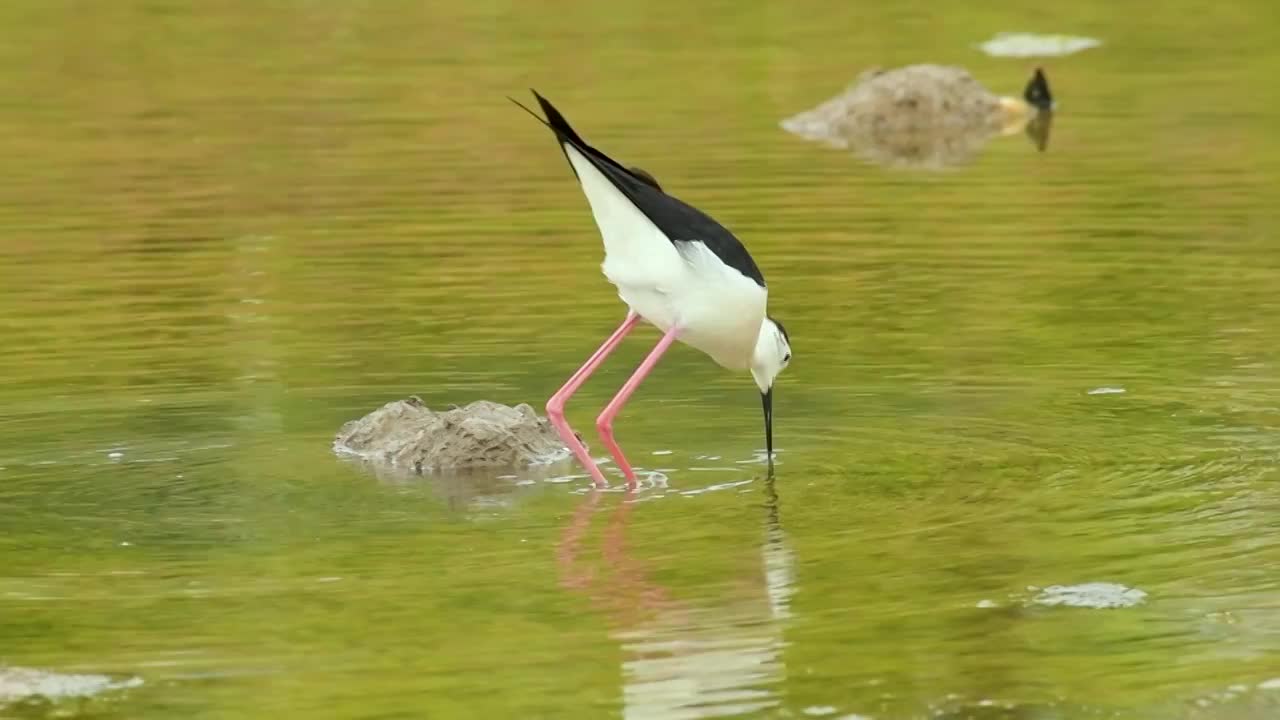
(225, 232)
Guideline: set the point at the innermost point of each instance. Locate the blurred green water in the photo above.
(224, 231)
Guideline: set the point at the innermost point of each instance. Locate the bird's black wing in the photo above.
(678, 220)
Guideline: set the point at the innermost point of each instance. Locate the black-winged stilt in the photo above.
(675, 268)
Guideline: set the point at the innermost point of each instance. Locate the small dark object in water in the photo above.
(409, 435)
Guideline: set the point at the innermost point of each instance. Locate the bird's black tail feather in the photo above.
(554, 120)
(565, 134)
(532, 113)
(557, 122)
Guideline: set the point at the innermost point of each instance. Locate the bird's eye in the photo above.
(786, 358)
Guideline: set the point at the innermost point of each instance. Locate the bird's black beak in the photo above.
(767, 398)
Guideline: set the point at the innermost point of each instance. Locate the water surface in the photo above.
(225, 231)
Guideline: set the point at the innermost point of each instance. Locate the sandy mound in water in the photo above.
(922, 115)
(407, 434)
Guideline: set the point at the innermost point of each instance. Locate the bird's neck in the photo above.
(765, 342)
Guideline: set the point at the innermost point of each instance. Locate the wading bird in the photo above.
(678, 270)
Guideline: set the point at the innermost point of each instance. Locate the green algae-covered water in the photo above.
(1028, 442)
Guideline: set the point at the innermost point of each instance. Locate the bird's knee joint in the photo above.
(604, 425)
(555, 409)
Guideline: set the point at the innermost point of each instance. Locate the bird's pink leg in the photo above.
(604, 423)
(555, 406)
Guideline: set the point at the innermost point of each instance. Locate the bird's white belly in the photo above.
(717, 309)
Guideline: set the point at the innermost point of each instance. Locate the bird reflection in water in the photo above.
(681, 658)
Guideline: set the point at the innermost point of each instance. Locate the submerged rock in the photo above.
(406, 434)
(17, 684)
(923, 116)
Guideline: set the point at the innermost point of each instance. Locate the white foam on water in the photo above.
(1097, 595)
(20, 683)
(1021, 44)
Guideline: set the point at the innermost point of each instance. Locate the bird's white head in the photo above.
(772, 354)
